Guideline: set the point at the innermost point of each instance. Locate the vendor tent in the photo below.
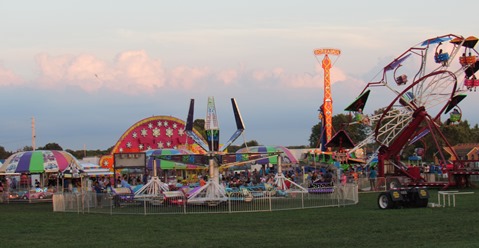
(86, 170)
(287, 157)
(39, 161)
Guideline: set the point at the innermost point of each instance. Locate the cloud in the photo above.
(135, 73)
(228, 76)
(131, 72)
(9, 78)
(292, 80)
(186, 77)
(137, 68)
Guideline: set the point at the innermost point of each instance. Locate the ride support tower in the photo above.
(326, 110)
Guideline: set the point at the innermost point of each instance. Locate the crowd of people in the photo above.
(304, 176)
(234, 179)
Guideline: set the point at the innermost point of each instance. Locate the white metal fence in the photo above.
(90, 202)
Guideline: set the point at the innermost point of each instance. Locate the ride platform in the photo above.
(428, 184)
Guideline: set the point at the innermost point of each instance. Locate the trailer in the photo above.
(413, 197)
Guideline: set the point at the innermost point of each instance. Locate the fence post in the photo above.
(356, 194)
(302, 199)
(338, 194)
(229, 205)
(270, 203)
(90, 198)
(185, 199)
(78, 204)
(144, 205)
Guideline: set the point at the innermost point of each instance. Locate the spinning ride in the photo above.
(280, 156)
(215, 157)
(416, 107)
(212, 193)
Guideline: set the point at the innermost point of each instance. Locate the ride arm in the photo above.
(239, 125)
(189, 127)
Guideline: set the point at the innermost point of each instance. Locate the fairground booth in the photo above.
(157, 135)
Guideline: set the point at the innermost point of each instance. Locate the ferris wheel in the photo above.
(425, 82)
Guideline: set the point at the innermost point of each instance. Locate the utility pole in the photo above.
(33, 134)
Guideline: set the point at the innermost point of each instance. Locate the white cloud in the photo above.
(131, 72)
(228, 76)
(135, 70)
(81, 70)
(187, 77)
(136, 73)
(52, 69)
(9, 78)
(292, 80)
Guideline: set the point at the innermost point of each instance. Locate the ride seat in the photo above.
(470, 83)
(441, 57)
(455, 117)
(401, 80)
(467, 60)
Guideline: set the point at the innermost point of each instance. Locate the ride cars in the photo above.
(37, 194)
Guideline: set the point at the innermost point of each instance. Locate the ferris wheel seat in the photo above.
(407, 98)
(455, 117)
(471, 83)
(358, 117)
(467, 60)
(401, 80)
(439, 58)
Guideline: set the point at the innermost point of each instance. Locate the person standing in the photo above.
(14, 183)
(355, 177)
(372, 178)
(124, 182)
(99, 193)
(202, 181)
(344, 179)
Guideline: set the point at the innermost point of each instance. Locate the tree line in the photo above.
(460, 133)
(455, 134)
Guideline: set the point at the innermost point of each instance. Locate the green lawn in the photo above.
(362, 225)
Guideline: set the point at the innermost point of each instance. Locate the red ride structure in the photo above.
(415, 108)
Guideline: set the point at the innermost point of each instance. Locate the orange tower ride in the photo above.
(327, 108)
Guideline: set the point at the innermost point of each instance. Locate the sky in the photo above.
(88, 70)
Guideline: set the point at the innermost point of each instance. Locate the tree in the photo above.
(234, 148)
(51, 146)
(77, 154)
(26, 148)
(199, 125)
(3, 153)
(357, 132)
(314, 138)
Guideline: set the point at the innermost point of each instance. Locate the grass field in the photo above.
(362, 225)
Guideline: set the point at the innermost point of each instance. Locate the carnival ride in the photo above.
(154, 189)
(279, 156)
(212, 192)
(326, 155)
(326, 109)
(156, 132)
(216, 157)
(433, 67)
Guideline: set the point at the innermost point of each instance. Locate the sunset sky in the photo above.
(88, 70)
